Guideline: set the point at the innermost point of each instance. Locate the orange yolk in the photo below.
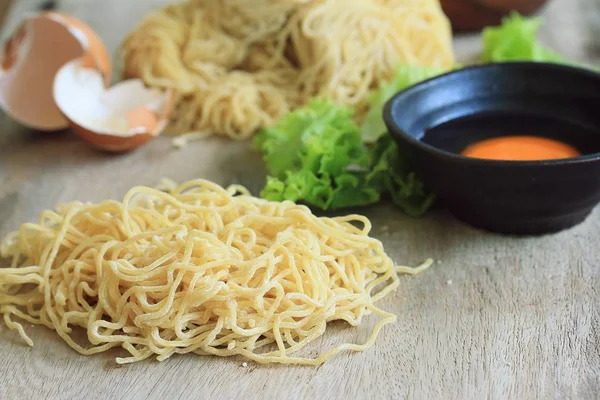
(521, 148)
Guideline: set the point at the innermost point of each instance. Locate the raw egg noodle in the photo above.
(239, 65)
(195, 269)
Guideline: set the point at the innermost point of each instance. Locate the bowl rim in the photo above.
(395, 132)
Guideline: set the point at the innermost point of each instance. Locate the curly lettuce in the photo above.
(310, 156)
(406, 75)
(315, 155)
(516, 39)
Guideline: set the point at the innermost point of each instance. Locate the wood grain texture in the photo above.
(497, 318)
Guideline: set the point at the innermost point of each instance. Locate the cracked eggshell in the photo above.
(117, 119)
(32, 56)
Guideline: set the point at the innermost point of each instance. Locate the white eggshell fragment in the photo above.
(117, 119)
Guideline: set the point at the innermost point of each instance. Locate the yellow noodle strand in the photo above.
(195, 268)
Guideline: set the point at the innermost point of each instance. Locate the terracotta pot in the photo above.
(474, 15)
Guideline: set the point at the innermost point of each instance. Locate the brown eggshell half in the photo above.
(118, 119)
(96, 53)
(112, 143)
(30, 59)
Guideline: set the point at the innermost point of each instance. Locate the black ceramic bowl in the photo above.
(433, 121)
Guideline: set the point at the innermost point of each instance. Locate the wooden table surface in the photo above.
(497, 317)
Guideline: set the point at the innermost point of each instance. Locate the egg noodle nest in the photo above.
(195, 269)
(239, 65)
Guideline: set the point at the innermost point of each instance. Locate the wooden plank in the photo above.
(498, 318)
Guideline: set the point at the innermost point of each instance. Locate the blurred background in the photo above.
(581, 40)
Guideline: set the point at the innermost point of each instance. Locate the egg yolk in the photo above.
(521, 148)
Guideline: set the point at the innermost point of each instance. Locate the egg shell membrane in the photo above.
(117, 119)
(31, 57)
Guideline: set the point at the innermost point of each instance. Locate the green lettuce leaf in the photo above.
(373, 126)
(321, 138)
(315, 155)
(322, 191)
(516, 39)
(392, 174)
(300, 186)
